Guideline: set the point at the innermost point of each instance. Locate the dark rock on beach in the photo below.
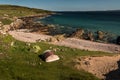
(118, 40)
(100, 35)
(78, 33)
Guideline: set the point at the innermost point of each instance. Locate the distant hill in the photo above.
(14, 10)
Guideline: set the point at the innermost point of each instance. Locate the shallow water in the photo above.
(91, 21)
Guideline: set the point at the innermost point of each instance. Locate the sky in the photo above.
(67, 5)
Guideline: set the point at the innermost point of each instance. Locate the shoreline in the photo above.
(89, 45)
(67, 42)
(73, 42)
(107, 36)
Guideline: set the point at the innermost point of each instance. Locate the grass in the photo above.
(19, 62)
(19, 11)
(8, 12)
(6, 21)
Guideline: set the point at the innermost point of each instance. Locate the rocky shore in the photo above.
(22, 29)
(26, 36)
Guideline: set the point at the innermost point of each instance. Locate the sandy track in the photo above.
(88, 45)
(69, 42)
(24, 36)
(105, 67)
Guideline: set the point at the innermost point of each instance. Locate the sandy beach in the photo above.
(24, 36)
(89, 45)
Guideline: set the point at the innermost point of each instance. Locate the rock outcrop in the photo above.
(49, 56)
(18, 23)
(78, 33)
(118, 40)
(5, 28)
(100, 35)
(90, 36)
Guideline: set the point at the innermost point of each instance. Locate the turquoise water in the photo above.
(92, 21)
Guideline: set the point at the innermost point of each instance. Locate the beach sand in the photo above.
(25, 36)
(89, 45)
(104, 67)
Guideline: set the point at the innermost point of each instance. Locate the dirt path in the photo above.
(25, 36)
(69, 42)
(106, 67)
(88, 45)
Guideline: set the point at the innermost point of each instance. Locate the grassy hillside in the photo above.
(19, 62)
(12, 10)
(8, 12)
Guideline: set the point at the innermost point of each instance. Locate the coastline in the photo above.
(108, 37)
(72, 42)
(68, 42)
(41, 32)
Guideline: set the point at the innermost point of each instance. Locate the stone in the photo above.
(6, 28)
(55, 49)
(49, 56)
(78, 33)
(52, 39)
(87, 63)
(17, 24)
(60, 37)
(62, 50)
(51, 25)
(28, 44)
(1, 24)
(118, 40)
(36, 48)
(5, 15)
(2, 32)
(90, 36)
(100, 35)
(15, 18)
(12, 43)
(50, 47)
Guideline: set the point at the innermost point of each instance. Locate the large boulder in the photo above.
(60, 37)
(118, 40)
(52, 39)
(6, 28)
(49, 56)
(78, 33)
(90, 36)
(18, 23)
(100, 35)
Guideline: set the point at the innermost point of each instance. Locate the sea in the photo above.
(106, 21)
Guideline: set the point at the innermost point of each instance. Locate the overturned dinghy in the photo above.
(49, 56)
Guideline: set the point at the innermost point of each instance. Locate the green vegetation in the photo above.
(19, 62)
(18, 11)
(8, 12)
(6, 21)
